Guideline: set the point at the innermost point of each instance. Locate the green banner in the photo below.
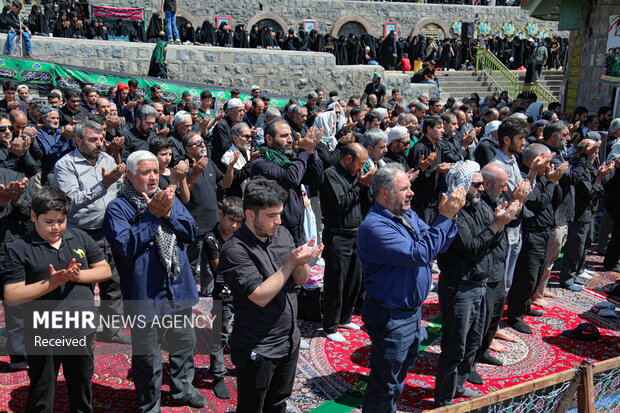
(67, 77)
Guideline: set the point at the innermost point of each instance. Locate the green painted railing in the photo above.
(506, 80)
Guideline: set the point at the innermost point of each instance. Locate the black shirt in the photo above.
(419, 76)
(170, 5)
(203, 200)
(392, 157)
(245, 262)
(4, 106)
(341, 197)
(499, 252)
(538, 215)
(378, 90)
(565, 207)
(66, 116)
(14, 219)
(164, 182)
(470, 257)
(427, 186)
(296, 129)
(211, 248)
(135, 140)
(222, 140)
(485, 151)
(28, 259)
(587, 192)
(450, 149)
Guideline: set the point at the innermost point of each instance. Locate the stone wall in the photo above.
(592, 91)
(277, 72)
(333, 14)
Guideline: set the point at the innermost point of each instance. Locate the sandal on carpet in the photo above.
(611, 289)
(584, 332)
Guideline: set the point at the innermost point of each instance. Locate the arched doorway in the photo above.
(431, 27)
(351, 24)
(268, 19)
(271, 23)
(433, 31)
(352, 27)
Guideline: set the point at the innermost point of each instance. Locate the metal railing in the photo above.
(506, 80)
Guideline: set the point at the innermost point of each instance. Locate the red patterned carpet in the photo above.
(328, 369)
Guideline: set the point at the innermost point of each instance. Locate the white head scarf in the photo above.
(327, 121)
(343, 117)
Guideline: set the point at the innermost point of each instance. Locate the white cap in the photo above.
(254, 87)
(492, 127)
(397, 133)
(235, 103)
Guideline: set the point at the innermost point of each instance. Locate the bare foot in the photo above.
(549, 294)
(541, 302)
(506, 336)
(497, 346)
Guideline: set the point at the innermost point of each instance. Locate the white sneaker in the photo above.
(584, 275)
(349, 326)
(590, 272)
(336, 337)
(303, 344)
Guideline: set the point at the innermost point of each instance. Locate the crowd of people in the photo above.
(70, 19)
(218, 202)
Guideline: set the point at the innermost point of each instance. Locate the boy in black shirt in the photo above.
(231, 218)
(54, 268)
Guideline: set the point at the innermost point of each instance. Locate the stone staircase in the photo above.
(462, 84)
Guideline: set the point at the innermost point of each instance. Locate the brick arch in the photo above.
(351, 18)
(431, 20)
(266, 15)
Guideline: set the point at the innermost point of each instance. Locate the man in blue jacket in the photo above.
(397, 250)
(147, 230)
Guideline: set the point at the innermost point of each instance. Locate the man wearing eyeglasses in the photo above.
(434, 107)
(465, 267)
(242, 144)
(397, 143)
(73, 111)
(14, 152)
(203, 178)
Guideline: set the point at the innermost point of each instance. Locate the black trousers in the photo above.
(196, 255)
(78, 371)
(463, 309)
(528, 273)
(577, 243)
(263, 384)
(494, 311)
(109, 290)
(427, 214)
(147, 365)
(342, 279)
(612, 256)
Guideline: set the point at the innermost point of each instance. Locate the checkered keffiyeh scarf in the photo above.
(165, 238)
(461, 174)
